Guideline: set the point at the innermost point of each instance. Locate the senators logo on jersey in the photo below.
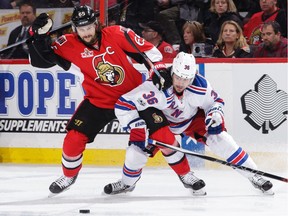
(157, 118)
(108, 74)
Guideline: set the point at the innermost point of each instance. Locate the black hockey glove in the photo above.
(41, 25)
(166, 81)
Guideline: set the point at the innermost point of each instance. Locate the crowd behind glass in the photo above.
(206, 28)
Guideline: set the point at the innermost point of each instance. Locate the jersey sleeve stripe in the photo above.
(124, 104)
(195, 90)
(169, 96)
(219, 100)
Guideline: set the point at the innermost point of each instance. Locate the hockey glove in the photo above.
(41, 25)
(138, 133)
(151, 150)
(215, 120)
(166, 82)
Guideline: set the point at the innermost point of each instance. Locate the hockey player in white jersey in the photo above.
(192, 108)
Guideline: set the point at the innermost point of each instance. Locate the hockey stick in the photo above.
(65, 25)
(23, 41)
(205, 157)
(149, 62)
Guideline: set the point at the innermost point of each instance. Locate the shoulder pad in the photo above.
(198, 86)
(199, 81)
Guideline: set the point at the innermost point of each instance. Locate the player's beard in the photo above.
(92, 41)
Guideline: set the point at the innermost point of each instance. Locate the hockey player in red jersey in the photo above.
(193, 108)
(103, 56)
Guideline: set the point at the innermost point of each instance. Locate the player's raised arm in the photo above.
(40, 51)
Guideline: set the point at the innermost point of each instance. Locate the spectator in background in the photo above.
(154, 33)
(55, 3)
(273, 44)
(253, 6)
(193, 37)
(137, 11)
(172, 12)
(221, 11)
(269, 11)
(5, 4)
(231, 42)
(247, 8)
(10, 4)
(27, 15)
(61, 3)
(282, 4)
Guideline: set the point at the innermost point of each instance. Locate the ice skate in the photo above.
(262, 184)
(118, 187)
(61, 184)
(191, 181)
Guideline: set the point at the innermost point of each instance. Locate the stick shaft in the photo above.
(23, 41)
(205, 157)
(149, 62)
(68, 24)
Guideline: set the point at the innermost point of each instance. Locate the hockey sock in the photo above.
(178, 162)
(73, 147)
(223, 145)
(71, 167)
(135, 160)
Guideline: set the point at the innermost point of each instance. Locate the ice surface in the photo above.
(24, 192)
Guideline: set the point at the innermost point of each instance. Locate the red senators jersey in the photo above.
(252, 29)
(167, 51)
(108, 71)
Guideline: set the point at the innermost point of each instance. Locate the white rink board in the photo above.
(231, 81)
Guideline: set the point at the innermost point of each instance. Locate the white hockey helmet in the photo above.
(184, 66)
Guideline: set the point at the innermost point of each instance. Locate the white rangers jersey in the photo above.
(179, 110)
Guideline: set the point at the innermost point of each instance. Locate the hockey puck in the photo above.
(84, 211)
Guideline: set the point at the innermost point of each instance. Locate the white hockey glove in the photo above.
(215, 120)
(41, 25)
(138, 133)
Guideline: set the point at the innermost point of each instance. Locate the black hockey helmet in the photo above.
(83, 15)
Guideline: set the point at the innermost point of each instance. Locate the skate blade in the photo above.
(269, 192)
(200, 192)
(55, 194)
(50, 195)
(119, 192)
(113, 194)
